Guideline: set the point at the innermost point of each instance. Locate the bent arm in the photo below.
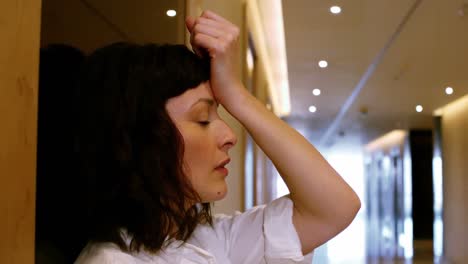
(324, 204)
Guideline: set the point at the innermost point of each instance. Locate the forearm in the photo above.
(316, 188)
(323, 203)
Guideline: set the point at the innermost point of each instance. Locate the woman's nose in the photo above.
(229, 138)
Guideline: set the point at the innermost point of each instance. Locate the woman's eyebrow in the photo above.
(208, 101)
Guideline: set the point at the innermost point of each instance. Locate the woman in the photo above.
(155, 152)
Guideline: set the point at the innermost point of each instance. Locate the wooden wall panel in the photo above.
(19, 60)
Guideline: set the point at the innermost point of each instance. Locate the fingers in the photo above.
(212, 33)
(208, 27)
(208, 43)
(190, 22)
(212, 15)
(218, 26)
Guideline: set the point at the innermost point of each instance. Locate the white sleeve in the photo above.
(104, 253)
(263, 234)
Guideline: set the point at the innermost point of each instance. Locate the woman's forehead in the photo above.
(184, 102)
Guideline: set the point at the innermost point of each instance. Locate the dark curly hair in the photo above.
(130, 150)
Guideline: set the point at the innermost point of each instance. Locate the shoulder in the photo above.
(103, 253)
(275, 208)
(252, 222)
(262, 232)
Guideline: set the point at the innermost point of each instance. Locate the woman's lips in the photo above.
(224, 171)
(221, 169)
(224, 162)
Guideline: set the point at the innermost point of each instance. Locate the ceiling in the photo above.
(429, 54)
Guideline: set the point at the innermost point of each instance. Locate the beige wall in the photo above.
(455, 173)
(91, 24)
(71, 22)
(19, 60)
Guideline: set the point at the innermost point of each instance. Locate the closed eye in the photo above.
(203, 123)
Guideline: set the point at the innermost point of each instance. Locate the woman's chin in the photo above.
(216, 195)
(220, 195)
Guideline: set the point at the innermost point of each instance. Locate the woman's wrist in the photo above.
(235, 100)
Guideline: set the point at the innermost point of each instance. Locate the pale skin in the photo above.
(324, 204)
(207, 140)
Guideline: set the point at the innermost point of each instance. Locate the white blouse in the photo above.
(263, 234)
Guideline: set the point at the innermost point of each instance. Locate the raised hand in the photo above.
(212, 35)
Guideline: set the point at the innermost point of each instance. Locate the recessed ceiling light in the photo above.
(335, 9)
(449, 90)
(323, 64)
(316, 92)
(419, 108)
(171, 13)
(312, 109)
